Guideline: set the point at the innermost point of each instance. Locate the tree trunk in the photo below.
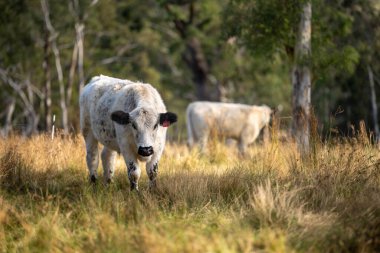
(8, 116)
(194, 56)
(196, 61)
(79, 34)
(80, 17)
(29, 112)
(62, 97)
(47, 85)
(74, 62)
(53, 40)
(301, 80)
(373, 103)
(33, 116)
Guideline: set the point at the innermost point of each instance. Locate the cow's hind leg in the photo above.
(92, 156)
(247, 138)
(203, 143)
(108, 162)
(242, 145)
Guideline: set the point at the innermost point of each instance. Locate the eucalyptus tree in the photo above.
(316, 37)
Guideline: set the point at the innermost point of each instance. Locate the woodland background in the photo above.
(274, 199)
(236, 51)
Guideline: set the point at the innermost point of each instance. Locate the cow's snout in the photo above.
(145, 151)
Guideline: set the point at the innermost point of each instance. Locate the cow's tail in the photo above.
(190, 133)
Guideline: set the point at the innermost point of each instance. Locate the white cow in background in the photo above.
(237, 121)
(126, 117)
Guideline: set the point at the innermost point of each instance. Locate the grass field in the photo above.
(268, 201)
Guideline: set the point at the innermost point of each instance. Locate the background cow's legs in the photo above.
(247, 137)
(203, 143)
(92, 157)
(108, 162)
(242, 145)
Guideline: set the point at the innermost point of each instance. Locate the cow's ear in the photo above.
(168, 118)
(120, 117)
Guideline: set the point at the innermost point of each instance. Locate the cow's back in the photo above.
(226, 118)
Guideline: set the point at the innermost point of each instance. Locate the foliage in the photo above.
(341, 46)
(265, 27)
(248, 47)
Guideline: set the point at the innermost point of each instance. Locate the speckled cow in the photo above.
(235, 121)
(126, 117)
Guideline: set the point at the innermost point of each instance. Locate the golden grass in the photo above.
(268, 201)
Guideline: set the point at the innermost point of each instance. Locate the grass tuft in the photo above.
(270, 200)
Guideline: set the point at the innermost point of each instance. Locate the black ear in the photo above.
(166, 119)
(120, 117)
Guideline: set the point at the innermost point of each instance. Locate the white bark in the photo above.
(74, 61)
(53, 40)
(8, 117)
(47, 82)
(301, 79)
(33, 116)
(79, 31)
(27, 101)
(79, 28)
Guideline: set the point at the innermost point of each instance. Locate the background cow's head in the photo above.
(144, 123)
(267, 114)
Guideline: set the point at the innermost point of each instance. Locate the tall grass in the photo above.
(270, 200)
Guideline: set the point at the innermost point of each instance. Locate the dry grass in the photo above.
(268, 201)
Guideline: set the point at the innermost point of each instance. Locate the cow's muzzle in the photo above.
(145, 151)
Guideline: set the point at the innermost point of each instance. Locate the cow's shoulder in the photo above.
(261, 109)
(136, 95)
(100, 85)
(146, 94)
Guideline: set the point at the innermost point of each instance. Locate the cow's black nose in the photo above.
(145, 151)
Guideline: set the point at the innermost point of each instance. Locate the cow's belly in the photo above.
(102, 125)
(229, 134)
(230, 129)
(105, 133)
(107, 138)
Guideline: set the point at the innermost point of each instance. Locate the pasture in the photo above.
(268, 201)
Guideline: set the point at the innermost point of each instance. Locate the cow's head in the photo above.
(267, 114)
(143, 124)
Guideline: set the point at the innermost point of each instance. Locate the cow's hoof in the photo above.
(152, 186)
(134, 187)
(93, 179)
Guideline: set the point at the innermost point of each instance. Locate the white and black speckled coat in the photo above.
(126, 117)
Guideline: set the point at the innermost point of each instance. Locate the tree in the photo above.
(52, 42)
(301, 79)
(248, 55)
(272, 28)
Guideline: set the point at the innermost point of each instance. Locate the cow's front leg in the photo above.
(133, 169)
(152, 172)
(134, 173)
(108, 161)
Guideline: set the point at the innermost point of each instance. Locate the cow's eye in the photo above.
(155, 126)
(134, 126)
